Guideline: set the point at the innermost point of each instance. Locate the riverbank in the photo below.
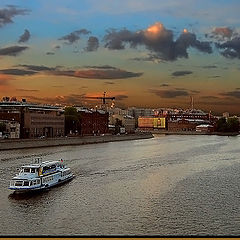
(195, 133)
(10, 144)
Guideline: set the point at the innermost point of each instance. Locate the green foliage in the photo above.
(2, 127)
(72, 120)
(70, 111)
(233, 124)
(229, 125)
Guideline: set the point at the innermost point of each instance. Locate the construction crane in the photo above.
(104, 98)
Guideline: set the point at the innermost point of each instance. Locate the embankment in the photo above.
(10, 144)
(195, 133)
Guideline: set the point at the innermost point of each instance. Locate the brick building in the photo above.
(35, 120)
(92, 122)
(182, 125)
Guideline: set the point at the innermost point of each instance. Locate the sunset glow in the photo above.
(149, 54)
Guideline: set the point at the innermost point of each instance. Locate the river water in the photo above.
(168, 185)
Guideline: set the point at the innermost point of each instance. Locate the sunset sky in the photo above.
(146, 53)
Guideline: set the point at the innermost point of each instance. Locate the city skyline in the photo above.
(145, 53)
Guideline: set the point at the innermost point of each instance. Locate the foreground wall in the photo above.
(33, 143)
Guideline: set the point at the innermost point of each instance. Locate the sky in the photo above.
(145, 53)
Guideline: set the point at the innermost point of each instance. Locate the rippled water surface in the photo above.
(168, 185)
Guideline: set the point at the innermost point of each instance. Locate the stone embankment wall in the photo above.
(196, 133)
(10, 144)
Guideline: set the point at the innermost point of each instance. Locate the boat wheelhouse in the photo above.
(40, 175)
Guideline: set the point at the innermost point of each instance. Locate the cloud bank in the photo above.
(7, 14)
(94, 72)
(159, 40)
(12, 51)
(74, 36)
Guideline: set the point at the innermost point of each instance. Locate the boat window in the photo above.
(27, 170)
(26, 183)
(31, 183)
(38, 181)
(18, 183)
(32, 170)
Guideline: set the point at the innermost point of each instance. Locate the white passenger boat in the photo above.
(40, 175)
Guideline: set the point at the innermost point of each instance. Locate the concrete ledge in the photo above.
(10, 144)
(196, 133)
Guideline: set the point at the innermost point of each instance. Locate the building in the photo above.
(35, 120)
(140, 112)
(12, 129)
(128, 122)
(182, 125)
(151, 123)
(92, 122)
(188, 120)
(205, 128)
(226, 114)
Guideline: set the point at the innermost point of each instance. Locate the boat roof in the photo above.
(43, 164)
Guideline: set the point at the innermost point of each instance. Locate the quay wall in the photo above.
(10, 144)
(195, 133)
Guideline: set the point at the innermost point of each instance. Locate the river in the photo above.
(164, 186)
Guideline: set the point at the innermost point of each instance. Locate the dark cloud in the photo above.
(93, 73)
(18, 72)
(121, 97)
(181, 89)
(74, 36)
(110, 83)
(25, 37)
(169, 93)
(209, 66)
(235, 94)
(57, 47)
(164, 85)
(7, 14)
(50, 53)
(150, 58)
(231, 48)
(101, 67)
(92, 44)
(158, 40)
(27, 90)
(12, 51)
(37, 68)
(97, 73)
(216, 76)
(181, 73)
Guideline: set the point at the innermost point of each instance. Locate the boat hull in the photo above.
(41, 188)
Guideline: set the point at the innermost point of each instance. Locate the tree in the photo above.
(221, 125)
(233, 124)
(229, 125)
(70, 111)
(71, 120)
(2, 127)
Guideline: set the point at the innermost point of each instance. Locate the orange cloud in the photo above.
(223, 31)
(156, 30)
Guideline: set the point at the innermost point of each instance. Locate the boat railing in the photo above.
(37, 160)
